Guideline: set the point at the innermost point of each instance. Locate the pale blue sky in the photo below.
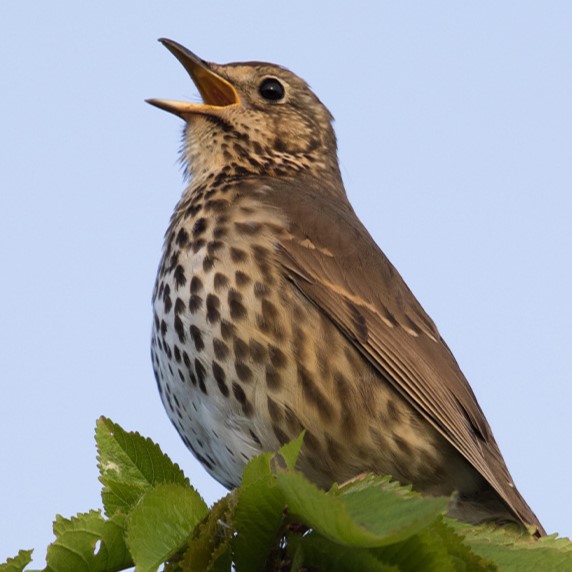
(455, 132)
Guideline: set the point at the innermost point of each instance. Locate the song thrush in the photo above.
(276, 312)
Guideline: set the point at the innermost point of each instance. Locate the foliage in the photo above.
(276, 521)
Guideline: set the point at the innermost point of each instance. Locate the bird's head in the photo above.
(255, 118)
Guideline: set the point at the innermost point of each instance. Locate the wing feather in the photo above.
(333, 261)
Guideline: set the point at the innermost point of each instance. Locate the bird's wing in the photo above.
(334, 262)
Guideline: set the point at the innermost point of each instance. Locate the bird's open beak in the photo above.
(216, 91)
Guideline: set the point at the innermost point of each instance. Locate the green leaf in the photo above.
(260, 510)
(161, 523)
(436, 548)
(130, 465)
(290, 451)
(319, 553)
(258, 468)
(518, 552)
(87, 542)
(210, 549)
(365, 516)
(17, 563)
(390, 510)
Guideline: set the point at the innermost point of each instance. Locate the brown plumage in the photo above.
(275, 311)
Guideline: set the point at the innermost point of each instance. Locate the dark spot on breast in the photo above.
(212, 190)
(173, 260)
(186, 359)
(279, 145)
(169, 402)
(254, 163)
(255, 437)
(216, 205)
(179, 306)
(199, 227)
(314, 395)
(239, 170)
(167, 303)
(240, 349)
(163, 328)
(159, 292)
(180, 329)
(198, 245)
(208, 263)
(196, 285)
(311, 442)
(273, 378)
(237, 310)
(241, 279)
(243, 372)
(213, 307)
(271, 317)
(226, 330)
(240, 396)
(280, 435)
(182, 238)
(274, 411)
(177, 353)
(195, 302)
(220, 281)
(277, 357)
(257, 351)
(192, 210)
(261, 254)
(237, 254)
(201, 374)
(197, 337)
(214, 246)
(239, 149)
(219, 232)
(260, 290)
(222, 219)
(220, 378)
(292, 421)
(258, 149)
(220, 349)
(179, 276)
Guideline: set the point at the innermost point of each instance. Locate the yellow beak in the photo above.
(216, 91)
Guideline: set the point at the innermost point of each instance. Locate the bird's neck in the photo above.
(210, 156)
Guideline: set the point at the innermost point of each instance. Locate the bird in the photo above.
(275, 312)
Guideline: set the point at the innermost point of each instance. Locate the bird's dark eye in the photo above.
(271, 89)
